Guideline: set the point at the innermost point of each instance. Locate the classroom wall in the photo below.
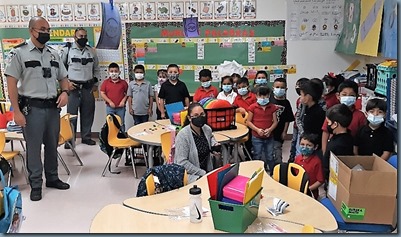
(312, 58)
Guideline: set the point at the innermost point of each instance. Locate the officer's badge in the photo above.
(9, 57)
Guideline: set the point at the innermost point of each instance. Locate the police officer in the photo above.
(82, 64)
(38, 71)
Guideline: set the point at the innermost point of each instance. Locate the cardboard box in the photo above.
(367, 196)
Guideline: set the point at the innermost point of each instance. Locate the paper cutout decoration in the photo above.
(80, 12)
(110, 36)
(389, 30)
(191, 27)
(347, 41)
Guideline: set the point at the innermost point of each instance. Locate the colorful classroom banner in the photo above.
(389, 30)
(369, 28)
(349, 35)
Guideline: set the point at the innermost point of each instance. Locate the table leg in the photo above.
(150, 156)
(224, 153)
(235, 152)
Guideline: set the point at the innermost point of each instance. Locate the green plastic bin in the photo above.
(234, 218)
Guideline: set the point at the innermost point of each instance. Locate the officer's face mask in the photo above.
(82, 42)
(43, 37)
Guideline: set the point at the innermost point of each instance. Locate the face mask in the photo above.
(298, 91)
(263, 101)
(82, 42)
(348, 100)
(161, 80)
(330, 130)
(279, 92)
(139, 76)
(227, 88)
(243, 91)
(199, 121)
(206, 84)
(113, 75)
(306, 151)
(172, 76)
(261, 81)
(375, 120)
(43, 37)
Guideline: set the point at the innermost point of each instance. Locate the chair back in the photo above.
(113, 130)
(183, 116)
(167, 143)
(2, 141)
(393, 161)
(292, 176)
(150, 185)
(241, 119)
(66, 133)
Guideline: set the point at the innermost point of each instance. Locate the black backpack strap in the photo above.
(68, 45)
(283, 175)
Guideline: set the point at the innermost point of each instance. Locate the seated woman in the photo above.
(193, 144)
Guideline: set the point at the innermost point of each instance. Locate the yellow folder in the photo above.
(253, 185)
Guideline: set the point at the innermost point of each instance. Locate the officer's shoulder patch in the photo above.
(10, 56)
(20, 45)
(50, 47)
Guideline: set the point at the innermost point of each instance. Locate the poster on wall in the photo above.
(369, 28)
(206, 10)
(249, 9)
(53, 12)
(13, 13)
(66, 12)
(3, 14)
(26, 12)
(310, 20)
(191, 9)
(80, 12)
(93, 12)
(177, 10)
(163, 11)
(346, 43)
(135, 10)
(389, 30)
(235, 9)
(124, 11)
(220, 10)
(149, 11)
(39, 10)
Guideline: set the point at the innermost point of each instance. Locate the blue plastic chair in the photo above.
(393, 160)
(342, 225)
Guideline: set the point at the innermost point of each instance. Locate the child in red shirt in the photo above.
(114, 93)
(311, 162)
(206, 89)
(262, 119)
(244, 98)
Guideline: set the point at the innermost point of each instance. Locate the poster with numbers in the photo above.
(235, 7)
(13, 13)
(177, 10)
(80, 12)
(191, 9)
(135, 10)
(3, 14)
(53, 12)
(220, 10)
(39, 10)
(26, 12)
(149, 11)
(123, 9)
(66, 12)
(94, 11)
(163, 11)
(206, 10)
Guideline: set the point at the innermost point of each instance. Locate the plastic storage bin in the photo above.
(221, 119)
(385, 71)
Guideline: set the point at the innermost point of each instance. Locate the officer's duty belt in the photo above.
(40, 103)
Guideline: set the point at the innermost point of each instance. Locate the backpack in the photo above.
(171, 176)
(68, 45)
(11, 218)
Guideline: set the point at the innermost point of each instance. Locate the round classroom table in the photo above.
(150, 214)
(149, 133)
(235, 135)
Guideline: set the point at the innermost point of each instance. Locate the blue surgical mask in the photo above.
(227, 88)
(206, 84)
(279, 92)
(261, 81)
(243, 91)
(375, 120)
(348, 100)
(306, 151)
(263, 101)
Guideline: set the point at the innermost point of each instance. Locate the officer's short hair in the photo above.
(80, 28)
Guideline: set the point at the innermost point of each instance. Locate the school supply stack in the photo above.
(13, 127)
(365, 195)
(234, 199)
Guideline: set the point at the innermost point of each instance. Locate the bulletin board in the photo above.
(157, 44)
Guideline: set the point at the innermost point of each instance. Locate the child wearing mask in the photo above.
(206, 89)
(331, 83)
(161, 78)
(341, 143)
(140, 96)
(227, 93)
(260, 80)
(311, 162)
(284, 117)
(374, 137)
(173, 90)
(347, 94)
(114, 92)
(262, 119)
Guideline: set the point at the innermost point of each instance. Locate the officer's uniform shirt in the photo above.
(76, 70)
(26, 63)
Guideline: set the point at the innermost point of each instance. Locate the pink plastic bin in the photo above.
(235, 189)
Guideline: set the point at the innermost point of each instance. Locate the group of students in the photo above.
(325, 120)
